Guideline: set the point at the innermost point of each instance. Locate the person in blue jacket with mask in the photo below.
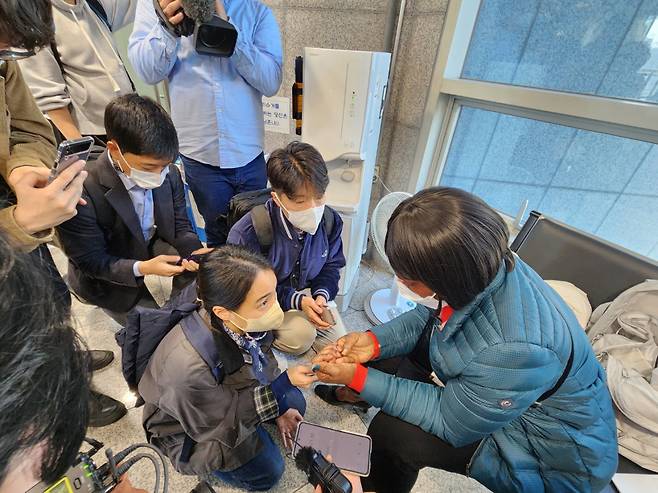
(306, 250)
(495, 380)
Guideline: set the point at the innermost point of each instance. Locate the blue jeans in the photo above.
(213, 187)
(262, 472)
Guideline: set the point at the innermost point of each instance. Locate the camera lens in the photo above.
(211, 37)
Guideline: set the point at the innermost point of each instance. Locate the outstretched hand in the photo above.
(301, 376)
(339, 373)
(356, 347)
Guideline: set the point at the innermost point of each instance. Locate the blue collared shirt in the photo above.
(142, 200)
(216, 103)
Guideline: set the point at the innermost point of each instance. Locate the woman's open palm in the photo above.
(356, 347)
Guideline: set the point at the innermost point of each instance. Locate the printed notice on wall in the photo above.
(276, 113)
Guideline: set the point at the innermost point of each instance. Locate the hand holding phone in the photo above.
(70, 152)
(162, 265)
(41, 205)
(190, 258)
(327, 316)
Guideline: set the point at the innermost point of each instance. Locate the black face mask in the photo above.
(213, 36)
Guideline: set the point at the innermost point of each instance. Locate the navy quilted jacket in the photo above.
(496, 357)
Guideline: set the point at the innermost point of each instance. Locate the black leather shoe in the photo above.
(99, 359)
(104, 410)
(328, 394)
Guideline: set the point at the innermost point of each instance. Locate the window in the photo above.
(603, 47)
(550, 105)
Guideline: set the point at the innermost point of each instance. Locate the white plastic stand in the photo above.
(384, 305)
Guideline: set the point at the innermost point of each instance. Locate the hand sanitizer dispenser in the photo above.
(344, 93)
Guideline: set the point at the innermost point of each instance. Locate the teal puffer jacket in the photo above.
(496, 357)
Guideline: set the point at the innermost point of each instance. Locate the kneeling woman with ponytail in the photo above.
(210, 421)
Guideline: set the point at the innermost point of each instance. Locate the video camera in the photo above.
(213, 36)
(86, 477)
(321, 472)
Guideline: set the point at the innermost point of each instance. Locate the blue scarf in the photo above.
(250, 344)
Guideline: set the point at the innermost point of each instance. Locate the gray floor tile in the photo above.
(433, 480)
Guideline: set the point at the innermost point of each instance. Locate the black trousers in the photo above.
(44, 261)
(399, 449)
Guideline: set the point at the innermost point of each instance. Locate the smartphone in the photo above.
(327, 316)
(349, 451)
(194, 258)
(70, 151)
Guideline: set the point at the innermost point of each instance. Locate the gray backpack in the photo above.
(624, 335)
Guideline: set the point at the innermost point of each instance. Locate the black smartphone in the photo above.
(349, 451)
(194, 258)
(69, 152)
(327, 316)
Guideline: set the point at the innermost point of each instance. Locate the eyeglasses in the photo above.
(13, 54)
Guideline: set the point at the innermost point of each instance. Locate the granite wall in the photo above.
(360, 25)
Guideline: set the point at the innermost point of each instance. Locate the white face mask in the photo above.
(307, 220)
(428, 301)
(147, 180)
(272, 320)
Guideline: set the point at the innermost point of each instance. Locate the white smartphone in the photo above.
(69, 152)
(349, 451)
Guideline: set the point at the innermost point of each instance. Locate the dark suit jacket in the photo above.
(104, 240)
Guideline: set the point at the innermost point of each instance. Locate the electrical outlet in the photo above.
(375, 175)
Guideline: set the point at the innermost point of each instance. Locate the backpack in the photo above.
(624, 336)
(254, 202)
(146, 327)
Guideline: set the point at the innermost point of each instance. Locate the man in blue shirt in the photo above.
(306, 251)
(216, 103)
(135, 221)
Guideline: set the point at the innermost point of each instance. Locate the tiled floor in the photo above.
(98, 330)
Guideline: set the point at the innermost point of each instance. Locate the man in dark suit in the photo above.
(135, 221)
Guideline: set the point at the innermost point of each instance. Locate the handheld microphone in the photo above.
(199, 10)
(322, 472)
(213, 36)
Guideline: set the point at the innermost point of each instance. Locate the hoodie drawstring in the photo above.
(115, 86)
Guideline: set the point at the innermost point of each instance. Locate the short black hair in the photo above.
(450, 240)
(44, 371)
(290, 169)
(141, 126)
(26, 23)
(226, 275)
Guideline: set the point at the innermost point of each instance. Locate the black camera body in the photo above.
(83, 477)
(215, 37)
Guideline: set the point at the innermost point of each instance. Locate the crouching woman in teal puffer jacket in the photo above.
(496, 380)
